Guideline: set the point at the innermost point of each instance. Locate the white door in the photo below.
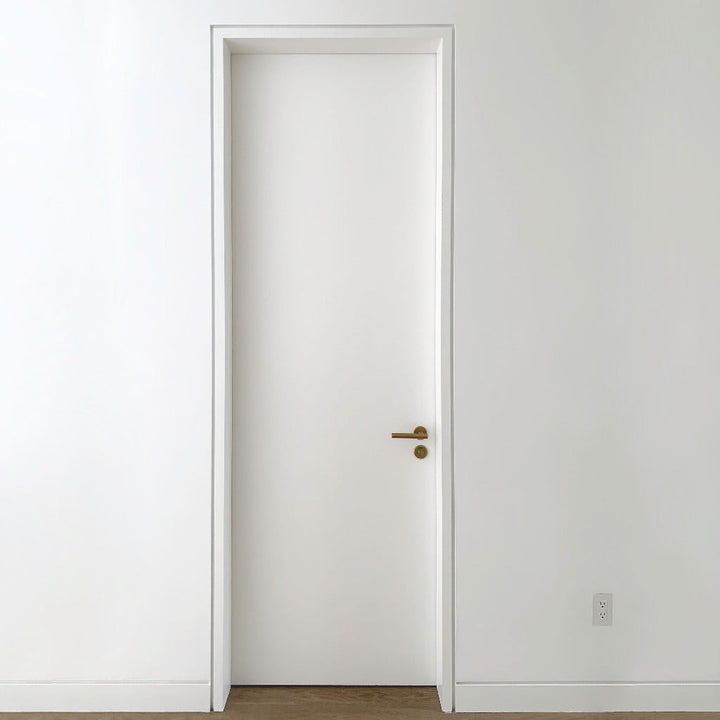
(333, 206)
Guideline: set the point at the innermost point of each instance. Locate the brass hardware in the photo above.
(420, 433)
(420, 452)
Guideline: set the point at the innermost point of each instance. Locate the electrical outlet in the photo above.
(602, 609)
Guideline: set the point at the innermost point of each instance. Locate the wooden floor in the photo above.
(336, 703)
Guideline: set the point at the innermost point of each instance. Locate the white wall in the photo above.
(587, 340)
(588, 343)
(104, 348)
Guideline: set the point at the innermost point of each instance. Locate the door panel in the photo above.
(333, 206)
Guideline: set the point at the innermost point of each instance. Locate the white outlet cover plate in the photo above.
(602, 609)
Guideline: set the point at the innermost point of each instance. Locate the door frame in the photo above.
(363, 39)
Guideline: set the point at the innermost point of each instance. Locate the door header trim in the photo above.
(334, 39)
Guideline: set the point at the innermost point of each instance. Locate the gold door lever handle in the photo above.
(420, 433)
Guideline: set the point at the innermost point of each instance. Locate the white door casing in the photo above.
(268, 44)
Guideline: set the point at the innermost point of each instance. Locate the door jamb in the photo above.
(229, 40)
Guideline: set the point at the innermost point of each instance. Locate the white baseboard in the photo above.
(120, 697)
(587, 697)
